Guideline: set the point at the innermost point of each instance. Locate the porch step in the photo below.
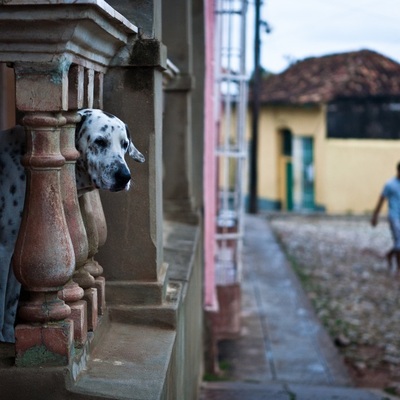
(164, 315)
(131, 362)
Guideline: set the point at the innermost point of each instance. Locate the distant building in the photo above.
(329, 133)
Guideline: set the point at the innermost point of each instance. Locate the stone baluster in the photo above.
(98, 90)
(93, 217)
(91, 266)
(44, 257)
(72, 292)
(101, 225)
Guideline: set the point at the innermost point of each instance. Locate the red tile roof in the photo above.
(321, 79)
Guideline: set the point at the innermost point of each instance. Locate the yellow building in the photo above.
(329, 133)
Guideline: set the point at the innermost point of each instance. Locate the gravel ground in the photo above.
(341, 263)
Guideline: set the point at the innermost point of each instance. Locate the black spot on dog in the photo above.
(15, 203)
(101, 143)
(104, 128)
(13, 189)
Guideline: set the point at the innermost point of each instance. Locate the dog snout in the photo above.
(122, 177)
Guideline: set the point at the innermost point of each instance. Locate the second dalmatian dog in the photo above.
(102, 141)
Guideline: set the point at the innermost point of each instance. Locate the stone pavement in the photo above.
(283, 353)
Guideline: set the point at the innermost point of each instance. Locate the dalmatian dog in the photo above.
(102, 140)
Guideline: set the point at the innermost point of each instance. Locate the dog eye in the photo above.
(101, 142)
(124, 144)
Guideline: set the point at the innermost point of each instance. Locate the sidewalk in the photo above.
(283, 352)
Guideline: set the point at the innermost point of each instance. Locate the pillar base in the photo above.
(139, 292)
(79, 316)
(44, 345)
(101, 294)
(92, 308)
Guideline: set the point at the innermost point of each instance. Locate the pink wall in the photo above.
(210, 175)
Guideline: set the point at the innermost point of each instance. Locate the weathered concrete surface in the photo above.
(131, 363)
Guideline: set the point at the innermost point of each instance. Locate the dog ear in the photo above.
(132, 150)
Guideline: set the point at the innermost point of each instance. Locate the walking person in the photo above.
(391, 193)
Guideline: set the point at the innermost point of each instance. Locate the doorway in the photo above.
(303, 173)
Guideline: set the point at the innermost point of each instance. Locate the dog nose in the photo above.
(122, 177)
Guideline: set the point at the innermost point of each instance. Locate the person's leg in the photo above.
(398, 262)
(389, 257)
(395, 228)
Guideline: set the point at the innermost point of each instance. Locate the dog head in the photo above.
(103, 140)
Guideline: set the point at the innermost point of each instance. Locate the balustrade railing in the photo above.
(59, 68)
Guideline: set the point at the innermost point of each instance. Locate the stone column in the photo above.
(44, 257)
(177, 193)
(198, 101)
(136, 273)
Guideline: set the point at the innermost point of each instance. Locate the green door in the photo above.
(308, 196)
(289, 185)
(286, 152)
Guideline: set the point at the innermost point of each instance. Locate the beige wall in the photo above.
(356, 171)
(349, 174)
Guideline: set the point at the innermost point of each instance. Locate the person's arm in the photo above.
(374, 219)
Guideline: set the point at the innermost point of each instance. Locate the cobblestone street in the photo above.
(341, 263)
